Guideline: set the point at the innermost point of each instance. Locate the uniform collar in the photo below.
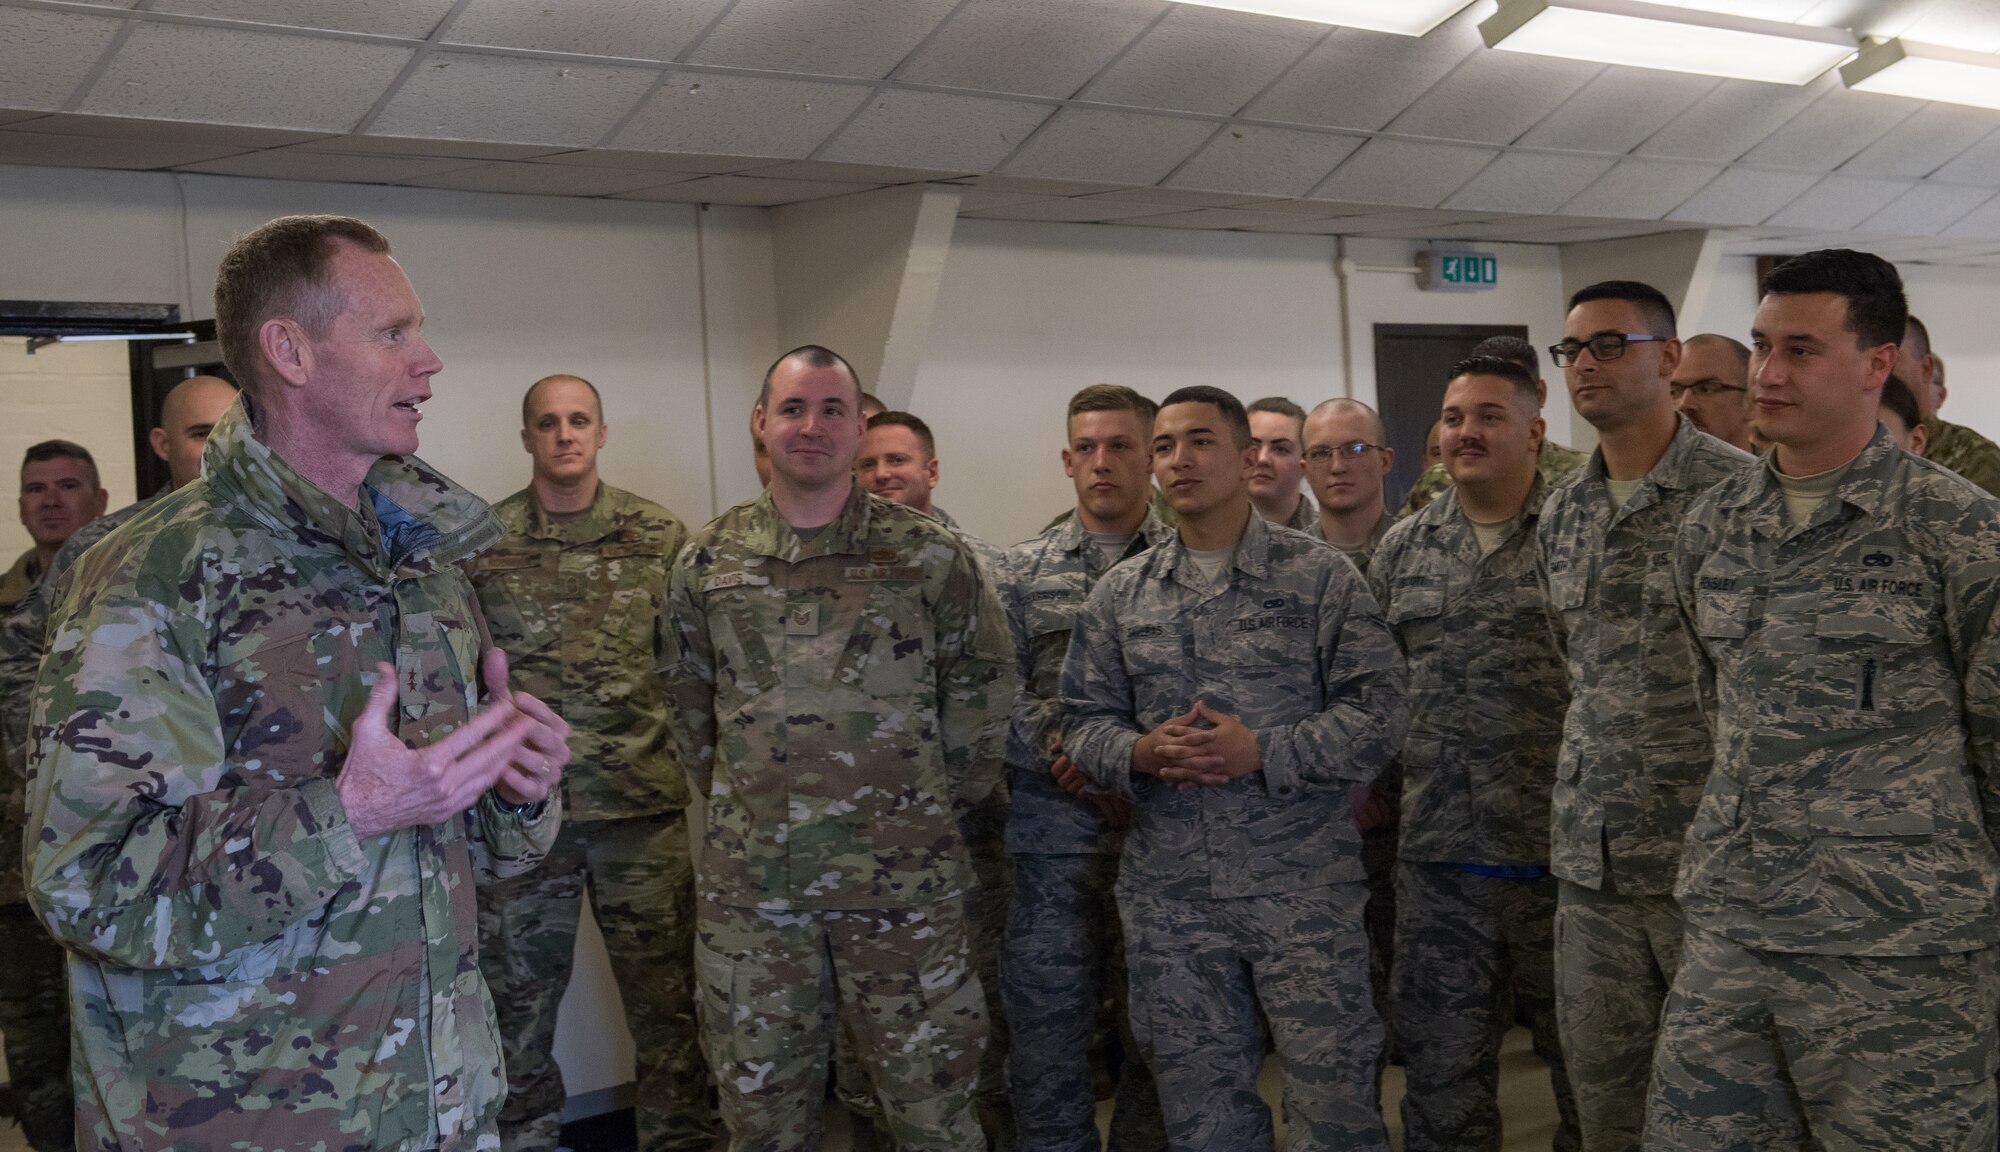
(1252, 555)
(1443, 517)
(593, 523)
(768, 534)
(1865, 484)
(1071, 536)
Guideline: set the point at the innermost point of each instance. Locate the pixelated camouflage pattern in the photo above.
(901, 980)
(838, 700)
(1487, 687)
(1364, 555)
(1965, 452)
(1046, 582)
(1553, 462)
(1616, 956)
(1295, 648)
(1785, 1050)
(993, 560)
(1635, 752)
(1204, 970)
(1850, 671)
(244, 972)
(1305, 517)
(576, 603)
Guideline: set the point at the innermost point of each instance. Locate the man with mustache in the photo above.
(1552, 460)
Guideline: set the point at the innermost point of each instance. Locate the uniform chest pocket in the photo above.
(1157, 669)
(1723, 615)
(1047, 625)
(1409, 604)
(890, 650)
(1568, 589)
(507, 584)
(1872, 665)
(271, 693)
(634, 584)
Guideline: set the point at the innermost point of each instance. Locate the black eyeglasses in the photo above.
(1704, 389)
(1353, 450)
(1609, 346)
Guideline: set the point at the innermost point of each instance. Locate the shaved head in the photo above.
(1377, 434)
(528, 397)
(187, 414)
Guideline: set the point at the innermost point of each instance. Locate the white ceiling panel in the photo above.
(1184, 198)
(739, 115)
(1320, 209)
(473, 97)
(1005, 45)
(45, 55)
(653, 161)
(1272, 161)
(1349, 225)
(1114, 147)
(1072, 210)
(841, 38)
(290, 164)
(1828, 134)
(1618, 110)
(1970, 24)
(1982, 223)
(1642, 189)
(1840, 202)
(1033, 186)
(635, 29)
(97, 152)
(178, 72)
(1529, 182)
(1743, 196)
(748, 190)
(853, 173)
(1202, 59)
(979, 200)
(1923, 143)
(1363, 80)
(1494, 97)
(544, 179)
(1217, 218)
(413, 18)
(1979, 164)
(934, 130)
(1927, 209)
(1730, 120)
(418, 146)
(1586, 235)
(1404, 173)
(176, 131)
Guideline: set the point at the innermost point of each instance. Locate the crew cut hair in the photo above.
(815, 356)
(283, 269)
(1513, 348)
(62, 450)
(596, 397)
(915, 423)
(1112, 398)
(1877, 310)
(1233, 413)
(1921, 332)
(1496, 366)
(1897, 398)
(1654, 307)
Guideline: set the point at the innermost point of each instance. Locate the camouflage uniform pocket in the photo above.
(1871, 670)
(715, 1002)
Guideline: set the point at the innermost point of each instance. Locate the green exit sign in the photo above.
(1443, 270)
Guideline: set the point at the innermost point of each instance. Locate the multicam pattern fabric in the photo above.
(1553, 462)
(244, 972)
(1965, 452)
(1850, 668)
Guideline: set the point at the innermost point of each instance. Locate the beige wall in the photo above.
(80, 392)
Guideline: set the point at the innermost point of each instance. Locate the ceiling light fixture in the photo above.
(1644, 35)
(1403, 17)
(1925, 72)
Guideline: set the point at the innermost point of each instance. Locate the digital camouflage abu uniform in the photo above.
(1475, 904)
(839, 698)
(1062, 941)
(1246, 895)
(1841, 884)
(1553, 463)
(1965, 452)
(34, 1009)
(244, 972)
(576, 602)
(1634, 756)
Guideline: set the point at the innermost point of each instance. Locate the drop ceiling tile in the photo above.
(543, 180)
(97, 152)
(653, 161)
(740, 115)
(855, 173)
(1982, 223)
(1618, 110)
(634, 29)
(1743, 196)
(1404, 172)
(418, 146)
(1381, 221)
(1529, 182)
(1979, 164)
(1301, 226)
(1363, 80)
(1840, 202)
(1006, 46)
(1730, 120)
(980, 200)
(1458, 233)
(1494, 97)
(1642, 189)
(1321, 209)
(1073, 210)
(414, 18)
(1201, 59)
(1826, 135)
(1213, 218)
(45, 55)
(1037, 187)
(1114, 147)
(473, 97)
(1927, 209)
(848, 38)
(175, 131)
(1182, 198)
(748, 190)
(935, 130)
(288, 164)
(1924, 143)
(1601, 232)
(1271, 161)
(181, 72)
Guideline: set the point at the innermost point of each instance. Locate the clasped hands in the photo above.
(1199, 748)
(517, 746)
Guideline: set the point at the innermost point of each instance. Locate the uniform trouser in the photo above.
(1774, 1050)
(1062, 950)
(641, 888)
(901, 980)
(1201, 969)
(34, 1014)
(1463, 942)
(1615, 960)
(1378, 858)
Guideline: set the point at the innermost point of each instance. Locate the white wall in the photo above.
(80, 392)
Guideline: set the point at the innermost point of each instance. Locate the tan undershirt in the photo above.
(1621, 491)
(1804, 494)
(1490, 535)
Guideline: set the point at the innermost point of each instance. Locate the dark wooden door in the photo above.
(1412, 365)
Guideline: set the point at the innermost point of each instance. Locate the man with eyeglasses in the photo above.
(1711, 387)
(1634, 750)
(1553, 461)
(1953, 445)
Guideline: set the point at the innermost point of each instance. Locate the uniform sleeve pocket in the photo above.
(1871, 816)
(715, 998)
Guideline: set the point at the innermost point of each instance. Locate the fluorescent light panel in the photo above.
(1673, 39)
(1925, 72)
(1403, 17)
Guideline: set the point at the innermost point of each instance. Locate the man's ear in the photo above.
(158, 439)
(285, 348)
